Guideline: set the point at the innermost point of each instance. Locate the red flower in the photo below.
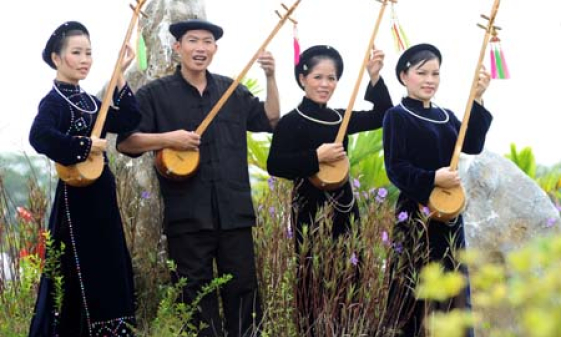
(41, 244)
(23, 253)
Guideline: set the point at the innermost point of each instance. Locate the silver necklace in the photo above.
(74, 105)
(428, 119)
(319, 121)
(340, 207)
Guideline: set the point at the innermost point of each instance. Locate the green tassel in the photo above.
(141, 58)
(498, 60)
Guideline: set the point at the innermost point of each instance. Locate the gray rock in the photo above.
(505, 208)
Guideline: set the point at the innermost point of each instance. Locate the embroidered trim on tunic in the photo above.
(118, 327)
(75, 252)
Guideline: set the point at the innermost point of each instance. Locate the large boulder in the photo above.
(505, 208)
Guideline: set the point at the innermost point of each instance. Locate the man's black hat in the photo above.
(58, 35)
(178, 29)
(404, 60)
(319, 50)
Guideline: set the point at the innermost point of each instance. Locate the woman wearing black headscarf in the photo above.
(96, 297)
(419, 140)
(305, 137)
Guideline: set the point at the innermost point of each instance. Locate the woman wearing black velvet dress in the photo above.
(419, 140)
(305, 137)
(97, 292)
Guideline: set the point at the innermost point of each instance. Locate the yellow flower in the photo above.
(487, 276)
(540, 323)
(521, 261)
(451, 324)
(470, 257)
(437, 285)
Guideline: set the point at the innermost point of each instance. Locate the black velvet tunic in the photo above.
(293, 154)
(98, 292)
(414, 148)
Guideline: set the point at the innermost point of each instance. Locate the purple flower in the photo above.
(398, 247)
(550, 222)
(357, 195)
(271, 182)
(356, 183)
(365, 195)
(382, 192)
(426, 211)
(354, 259)
(272, 211)
(403, 216)
(145, 195)
(259, 208)
(289, 233)
(558, 207)
(385, 238)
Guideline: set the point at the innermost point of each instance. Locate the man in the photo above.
(208, 217)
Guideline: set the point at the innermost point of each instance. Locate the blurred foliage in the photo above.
(524, 159)
(527, 282)
(548, 178)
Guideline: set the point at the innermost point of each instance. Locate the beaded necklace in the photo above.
(446, 119)
(319, 121)
(91, 112)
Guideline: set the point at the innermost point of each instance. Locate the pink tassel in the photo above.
(296, 46)
(400, 39)
(503, 62)
(493, 63)
(499, 69)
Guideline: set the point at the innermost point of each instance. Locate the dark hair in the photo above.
(315, 60)
(61, 43)
(314, 55)
(58, 39)
(417, 56)
(420, 58)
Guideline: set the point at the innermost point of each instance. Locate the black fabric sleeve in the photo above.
(124, 116)
(147, 123)
(46, 137)
(286, 158)
(372, 119)
(257, 120)
(479, 123)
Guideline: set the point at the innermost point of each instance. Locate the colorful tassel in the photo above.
(400, 39)
(141, 57)
(499, 68)
(296, 45)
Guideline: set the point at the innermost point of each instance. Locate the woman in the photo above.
(419, 140)
(97, 288)
(305, 137)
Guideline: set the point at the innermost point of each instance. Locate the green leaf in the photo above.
(141, 57)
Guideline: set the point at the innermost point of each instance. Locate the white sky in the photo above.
(524, 107)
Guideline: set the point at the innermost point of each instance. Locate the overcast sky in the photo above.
(525, 108)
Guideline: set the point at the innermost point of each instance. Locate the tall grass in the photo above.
(346, 280)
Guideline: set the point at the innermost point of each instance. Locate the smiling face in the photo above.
(74, 61)
(321, 81)
(196, 49)
(422, 80)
